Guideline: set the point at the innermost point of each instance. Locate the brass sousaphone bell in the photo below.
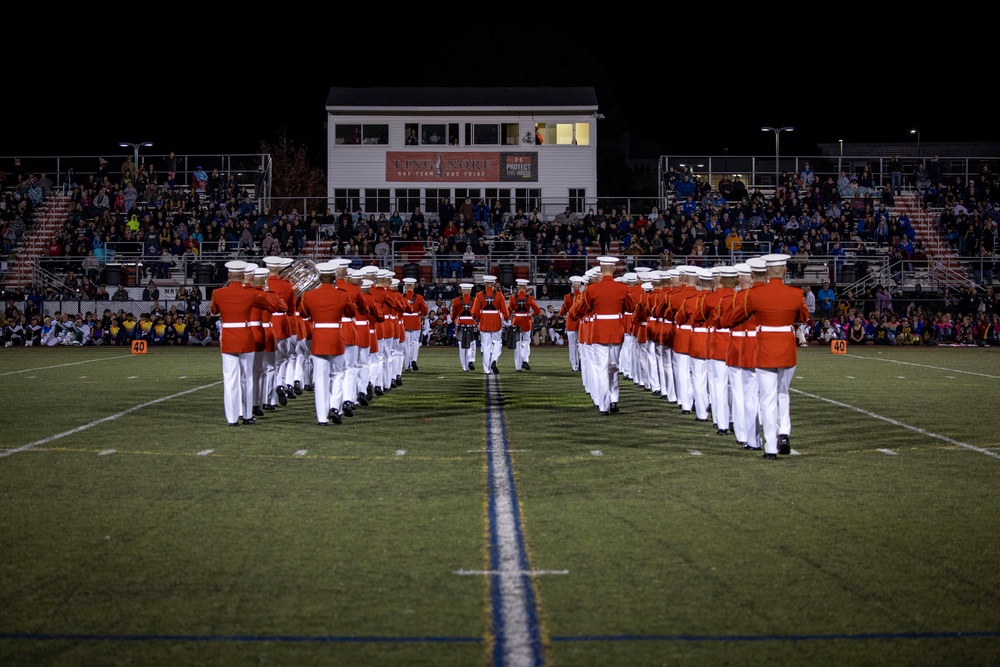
(302, 274)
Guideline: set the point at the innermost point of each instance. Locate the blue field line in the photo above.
(242, 638)
(505, 489)
(783, 638)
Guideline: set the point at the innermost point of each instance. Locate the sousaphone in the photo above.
(302, 274)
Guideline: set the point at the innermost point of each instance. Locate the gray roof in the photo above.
(465, 98)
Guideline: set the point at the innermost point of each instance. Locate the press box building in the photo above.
(399, 148)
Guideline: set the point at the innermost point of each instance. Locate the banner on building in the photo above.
(433, 166)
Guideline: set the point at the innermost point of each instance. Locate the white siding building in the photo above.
(394, 149)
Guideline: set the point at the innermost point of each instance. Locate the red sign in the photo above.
(434, 166)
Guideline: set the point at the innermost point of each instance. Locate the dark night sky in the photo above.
(705, 113)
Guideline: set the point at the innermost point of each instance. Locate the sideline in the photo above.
(517, 637)
(936, 368)
(895, 422)
(74, 363)
(51, 438)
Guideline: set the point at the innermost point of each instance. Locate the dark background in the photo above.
(679, 105)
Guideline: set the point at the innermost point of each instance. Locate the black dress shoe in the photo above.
(685, 412)
(393, 383)
(235, 424)
(399, 380)
(722, 431)
(656, 393)
(250, 421)
(309, 387)
(698, 419)
(614, 408)
(297, 388)
(771, 457)
(282, 399)
(493, 367)
(378, 391)
(752, 449)
(472, 366)
(267, 406)
(362, 399)
(322, 423)
(334, 416)
(258, 411)
(605, 413)
(290, 392)
(784, 447)
(346, 410)
(526, 366)
(413, 366)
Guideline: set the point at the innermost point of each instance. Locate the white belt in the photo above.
(642, 324)
(788, 329)
(326, 325)
(608, 317)
(666, 321)
(655, 319)
(277, 314)
(234, 325)
(700, 329)
(490, 311)
(346, 319)
(739, 334)
(722, 331)
(626, 313)
(751, 334)
(255, 323)
(266, 325)
(687, 327)
(361, 322)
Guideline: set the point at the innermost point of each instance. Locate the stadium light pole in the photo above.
(777, 152)
(135, 149)
(840, 162)
(917, 132)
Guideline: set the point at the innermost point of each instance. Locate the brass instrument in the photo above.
(302, 274)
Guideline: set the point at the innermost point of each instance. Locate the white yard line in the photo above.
(74, 363)
(117, 415)
(896, 422)
(936, 368)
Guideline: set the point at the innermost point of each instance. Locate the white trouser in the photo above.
(606, 374)
(751, 406)
(285, 349)
(383, 378)
(259, 378)
(649, 361)
(351, 371)
(328, 381)
(718, 393)
(665, 365)
(364, 370)
(739, 418)
(699, 386)
(523, 349)
(685, 393)
(574, 350)
(237, 385)
(491, 342)
(396, 354)
(627, 359)
(270, 371)
(775, 418)
(412, 348)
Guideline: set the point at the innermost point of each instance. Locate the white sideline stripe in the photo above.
(894, 422)
(494, 573)
(74, 363)
(106, 452)
(913, 363)
(889, 452)
(78, 429)
(516, 635)
(205, 452)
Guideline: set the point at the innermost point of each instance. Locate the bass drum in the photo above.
(465, 336)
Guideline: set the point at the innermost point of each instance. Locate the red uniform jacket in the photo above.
(490, 309)
(606, 300)
(234, 305)
(327, 306)
(415, 310)
(279, 318)
(776, 308)
(461, 310)
(522, 307)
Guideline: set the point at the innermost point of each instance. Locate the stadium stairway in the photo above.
(48, 220)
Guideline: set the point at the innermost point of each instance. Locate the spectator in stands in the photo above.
(824, 301)
(685, 188)
(151, 292)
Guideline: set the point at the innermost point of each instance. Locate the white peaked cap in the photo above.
(489, 279)
(250, 268)
(522, 281)
(261, 272)
(235, 266)
(326, 268)
(756, 264)
(274, 260)
(465, 286)
(648, 287)
(776, 259)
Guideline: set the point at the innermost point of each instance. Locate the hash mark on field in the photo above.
(205, 452)
(596, 452)
(400, 452)
(889, 452)
(495, 573)
(694, 452)
(794, 452)
(851, 377)
(133, 377)
(301, 452)
(481, 451)
(106, 452)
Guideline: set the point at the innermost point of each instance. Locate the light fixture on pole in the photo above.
(777, 152)
(135, 149)
(840, 162)
(917, 132)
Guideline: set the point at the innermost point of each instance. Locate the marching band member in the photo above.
(572, 323)
(682, 337)
(326, 306)
(234, 305)
(281, 326)
(716, 303)
(413, 318)
(465, 326)
(522, 308)
(490, 311)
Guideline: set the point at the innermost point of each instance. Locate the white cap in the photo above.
(340, 262)
(775, 259)
(326, 268)
(274, 260)
(653, 275)
(410, 281)
(756, 264)
(522, 281)
(366, 283)
(384, 273)
(648, 287)
(489, 279)
(235, 266)
(631, 276)
(576, 279)
(249, 268)
(642, 269)
(673, 273)
(261, 272)
(607, 260)
(395, 282)
(728, 271)
(742, 269)
(287, 261)
(369, 270)
(716, 270)
(704, 274)
(688, 270)
(465, 286)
